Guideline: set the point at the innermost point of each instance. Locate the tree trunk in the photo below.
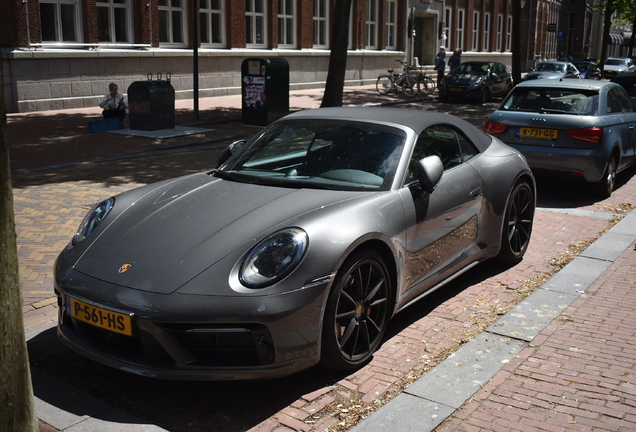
(17, 410)
(607, 24)
(516, 41)
(338, 56)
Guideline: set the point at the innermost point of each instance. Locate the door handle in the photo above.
(475, 193)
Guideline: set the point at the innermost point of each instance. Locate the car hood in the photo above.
(542, 75)
(179, 229)
(460, 79)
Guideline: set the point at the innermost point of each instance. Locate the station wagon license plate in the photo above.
(537, 133)
(103, 318)
(456, 89)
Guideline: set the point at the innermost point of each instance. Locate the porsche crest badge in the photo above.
(124, 268)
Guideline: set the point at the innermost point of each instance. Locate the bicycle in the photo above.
(396, 81)
(426, 83)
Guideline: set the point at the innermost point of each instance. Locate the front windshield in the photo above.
(472, 68)
(558, 101)
(616, 62)
(551, 67)
(311, 153)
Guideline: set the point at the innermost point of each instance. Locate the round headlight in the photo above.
(273, 258)
(93, 219)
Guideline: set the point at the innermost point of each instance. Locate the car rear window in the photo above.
(570, 101)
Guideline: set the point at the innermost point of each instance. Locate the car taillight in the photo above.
(492, 127)
(593, 135)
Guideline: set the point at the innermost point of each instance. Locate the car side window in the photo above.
(613, 104)
(624, 100)
(443, 141)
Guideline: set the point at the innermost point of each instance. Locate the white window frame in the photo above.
(487, 23)
(475, 43)
(499, 31)
(321, 24)
(251, 14)
(459, 29)
(448, 13)
(287, 24)
(58, 18)
(391, 25)
(509, 34)
(371, 24)
(208, 14)
(175, 14)
(111, 7)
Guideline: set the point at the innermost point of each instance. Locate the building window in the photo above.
(499, 31)
(321, 23)
(391, 24)
(475, 45)
(172, 22)
(59, 21)
(372, 24)
(212, 30)
(486, 44)
(286, 24)
(113, 21)
(255, 23)
(509, 34)
(460, 29)
(448, 13)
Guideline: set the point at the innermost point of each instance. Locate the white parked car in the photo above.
(615, 65)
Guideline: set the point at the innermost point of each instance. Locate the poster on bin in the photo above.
(254, 91)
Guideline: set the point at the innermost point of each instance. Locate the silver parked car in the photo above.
(299, 248)
(580, 129)
(553, 70)
(615, 65)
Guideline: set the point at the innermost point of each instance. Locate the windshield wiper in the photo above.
(232, 177)
(551, 111)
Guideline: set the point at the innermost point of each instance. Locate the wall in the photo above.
(39, 80)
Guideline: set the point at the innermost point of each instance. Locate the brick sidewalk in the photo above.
(578, 374)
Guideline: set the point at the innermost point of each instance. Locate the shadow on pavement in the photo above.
(181, 406)
(173, 405)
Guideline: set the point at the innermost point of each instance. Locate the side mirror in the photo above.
(229, 151)
(429, 172)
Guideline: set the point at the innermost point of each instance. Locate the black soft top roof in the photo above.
(417, 120)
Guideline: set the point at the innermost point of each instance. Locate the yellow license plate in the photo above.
(456, 89)
(100, 317)
(538, 133)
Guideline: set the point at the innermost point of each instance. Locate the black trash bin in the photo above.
(265, 90)
(151, 104)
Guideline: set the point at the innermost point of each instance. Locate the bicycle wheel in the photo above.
(384, 84)
(427, 85)
(410, 86)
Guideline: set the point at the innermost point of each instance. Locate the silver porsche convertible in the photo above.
(297, 249)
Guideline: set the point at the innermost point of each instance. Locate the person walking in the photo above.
(440, 64)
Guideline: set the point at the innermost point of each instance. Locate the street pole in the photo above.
(195, 59)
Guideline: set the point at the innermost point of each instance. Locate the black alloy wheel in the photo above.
(517, 228)
(357, 313)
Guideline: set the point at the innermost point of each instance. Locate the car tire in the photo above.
(484, 96)
(384, 84)
(517, 224)
(357, 312)
(605, 187)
